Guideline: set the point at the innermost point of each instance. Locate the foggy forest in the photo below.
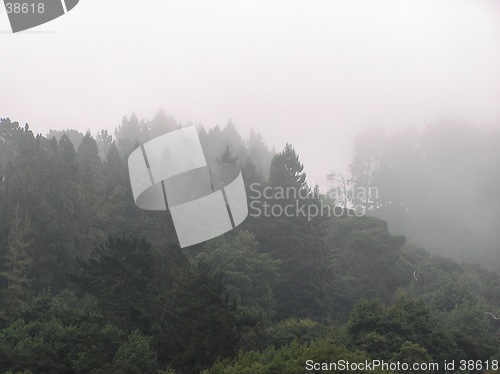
(249, 187)
(91, 283)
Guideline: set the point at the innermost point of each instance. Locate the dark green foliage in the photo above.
(366, 260)
(90, 163)
(304, 283)
(250, 277)
(383, 331)
(120, 275)
(289, 359)
(201, 326)
(60, 334)
(135, 356)
(16, 274)
(302, 330)
(287, 170)
(91, 283)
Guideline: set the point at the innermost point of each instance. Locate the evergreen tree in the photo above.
(227, 157)
(287, 170)
(201, 326)
(120, 274)
(74, 136)
(161, 124)
(89, 160)
(16, 275)
(104, 141)
(258, 152)
(128, 134)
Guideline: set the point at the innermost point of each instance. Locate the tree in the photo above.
(287, 170)
(74, 136)
(17, 265)
(161, 124)
(128, 134)
(294, 359)
(69, 162)
(340, 190)
(250, 276)
(303, 285)
(383, 331)
(115, 171)
(258, 152)
(135, 356)
(119, 275)
(412, 353)
(364, 260)
(227, 156)
(200, 326)
(104, 141)
(61, 333)
(368, 150)
(89, 160)
(90, 186)
(10, 138)
(251, 175)
(302, 330)
(430, 186)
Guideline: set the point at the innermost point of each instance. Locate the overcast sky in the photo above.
(313, 73)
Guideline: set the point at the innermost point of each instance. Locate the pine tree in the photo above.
(161, 124)
(227, 157)
(104, 141)
(17, 270)
(287, 170)
(127, 134)
(88, 157)
(258, 152)
(119, 275)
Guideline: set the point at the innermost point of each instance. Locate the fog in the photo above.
(310, 73)
(437, 187)
(129, 244)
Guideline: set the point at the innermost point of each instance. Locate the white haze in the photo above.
(313, 73)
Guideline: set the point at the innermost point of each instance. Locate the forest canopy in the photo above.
(91, 283)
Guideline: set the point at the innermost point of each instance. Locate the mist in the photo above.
(437, 186)
(314, 76)
(179, 186)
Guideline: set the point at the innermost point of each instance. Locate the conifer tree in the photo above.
(287, 170)
(16, 274)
